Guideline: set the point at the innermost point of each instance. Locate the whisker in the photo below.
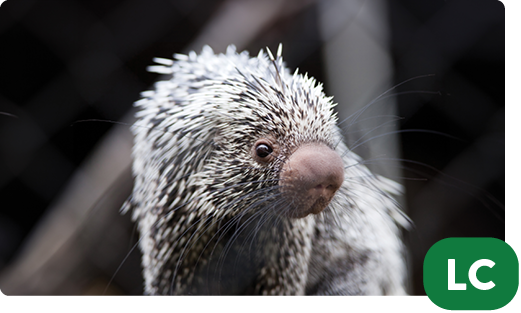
(216, 203)
(8, 114)
(360, 111)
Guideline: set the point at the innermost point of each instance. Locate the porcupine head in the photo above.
(241, 184)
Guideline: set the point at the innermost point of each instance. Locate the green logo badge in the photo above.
(471, 273)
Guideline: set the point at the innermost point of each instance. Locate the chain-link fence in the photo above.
(71, 69)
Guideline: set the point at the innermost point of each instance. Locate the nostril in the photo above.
(324, 187)
(311, 177)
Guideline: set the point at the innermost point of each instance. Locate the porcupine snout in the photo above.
(310, 178)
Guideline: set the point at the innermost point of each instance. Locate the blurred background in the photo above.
(426, 78)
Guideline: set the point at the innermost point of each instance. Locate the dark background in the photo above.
(67, 61)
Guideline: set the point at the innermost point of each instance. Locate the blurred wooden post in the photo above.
(358, 70)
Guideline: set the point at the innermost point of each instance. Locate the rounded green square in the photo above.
(471, 273)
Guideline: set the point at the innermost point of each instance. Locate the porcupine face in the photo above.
(225, 138)
(237, 129)
(274, 141)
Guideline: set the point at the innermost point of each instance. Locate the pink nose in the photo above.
(310, 177)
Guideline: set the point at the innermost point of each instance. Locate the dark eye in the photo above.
(263, 150)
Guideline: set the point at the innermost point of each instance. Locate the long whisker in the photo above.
(354, 116)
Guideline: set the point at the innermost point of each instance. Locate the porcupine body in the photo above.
(243, 185)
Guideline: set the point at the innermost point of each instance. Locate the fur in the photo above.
(209, 216)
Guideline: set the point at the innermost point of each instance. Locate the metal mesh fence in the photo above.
(71, 69)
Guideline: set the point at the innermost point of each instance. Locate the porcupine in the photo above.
(243, 185)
